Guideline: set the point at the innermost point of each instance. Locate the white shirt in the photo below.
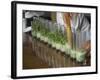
(80, 27)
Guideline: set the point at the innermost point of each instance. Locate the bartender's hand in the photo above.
(87, 47)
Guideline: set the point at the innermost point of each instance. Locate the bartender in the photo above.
(76, 24)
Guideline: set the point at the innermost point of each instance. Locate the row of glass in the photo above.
(55, 35)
